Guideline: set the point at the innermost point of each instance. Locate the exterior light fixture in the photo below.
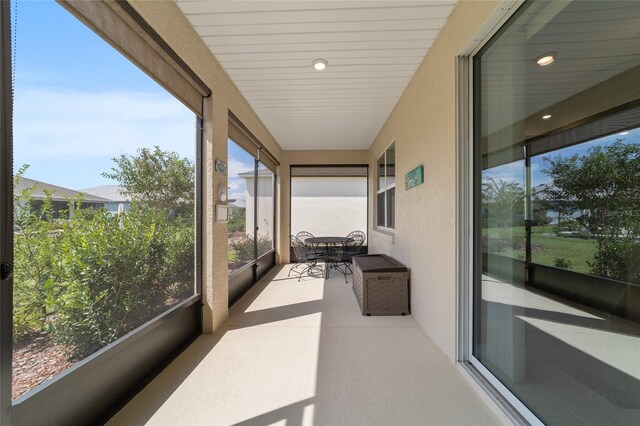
(320, 64)
(546, 117)
(545, 59)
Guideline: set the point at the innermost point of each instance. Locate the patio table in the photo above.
(327, 242)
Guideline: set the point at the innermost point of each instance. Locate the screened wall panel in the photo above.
(328, 200)
(252, 209)
(104, 214)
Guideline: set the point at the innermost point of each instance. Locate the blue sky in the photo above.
(79, 103)
(239, 162)
(515, 171)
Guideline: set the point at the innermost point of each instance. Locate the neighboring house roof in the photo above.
(261, 173)
(538, 193)
(115, 193)
(58, 193)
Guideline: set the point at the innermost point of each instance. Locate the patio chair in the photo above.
(343, 259)
(359, 239)
(303, 235)
(305, 260)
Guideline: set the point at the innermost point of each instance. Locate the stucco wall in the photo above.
(328, 205)
(265, 207)
(423, 125)
(166, 18)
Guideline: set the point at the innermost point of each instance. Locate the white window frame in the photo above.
(384, 190)
(503, 399)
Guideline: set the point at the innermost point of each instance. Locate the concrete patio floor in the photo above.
(301, 353)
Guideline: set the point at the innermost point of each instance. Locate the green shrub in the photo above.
(237, 221)
(503, 243)
(178, 265)
(114, 270)
(561, 262)
(232, 256)
(244, 250)
(90, 278)
(36, 263)
(94, 277)
(618, 259)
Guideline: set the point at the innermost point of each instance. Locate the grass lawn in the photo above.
(548, 247)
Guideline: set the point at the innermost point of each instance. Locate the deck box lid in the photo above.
(378, 263)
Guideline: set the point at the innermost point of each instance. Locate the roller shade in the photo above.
(613, 123)
(329, 171)
(122, 27)
(243, 137)
(504, 156)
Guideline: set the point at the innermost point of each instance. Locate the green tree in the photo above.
(503, 202)
(160, 179)
(540, 217)
(604, 185)
(237, 221)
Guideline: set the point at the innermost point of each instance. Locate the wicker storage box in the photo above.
(381, 285)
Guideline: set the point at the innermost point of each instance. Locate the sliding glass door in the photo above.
(556, 285)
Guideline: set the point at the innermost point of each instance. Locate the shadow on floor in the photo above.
(302, 353)
(559, 381)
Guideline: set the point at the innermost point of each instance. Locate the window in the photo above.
(386, 188)
(556, 227)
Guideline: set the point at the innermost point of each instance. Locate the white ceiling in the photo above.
(267, 47)
(593, 41)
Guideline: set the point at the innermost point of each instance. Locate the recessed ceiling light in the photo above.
(546, 117)
(545, 59)
(626, 132)
(319, 64)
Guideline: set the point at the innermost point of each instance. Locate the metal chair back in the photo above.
(359, 237)
(300, 250)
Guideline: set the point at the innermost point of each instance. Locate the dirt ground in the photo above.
(35, 360)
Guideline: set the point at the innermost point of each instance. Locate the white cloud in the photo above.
(512, 172)
(236, 184)
(237, 192)
(236, 166)
(239, 197)
(54, 123)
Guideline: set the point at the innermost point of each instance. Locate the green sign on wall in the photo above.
(414, 178)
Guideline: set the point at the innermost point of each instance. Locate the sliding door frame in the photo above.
(467, 221)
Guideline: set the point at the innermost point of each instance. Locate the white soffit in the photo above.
(373, 49)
